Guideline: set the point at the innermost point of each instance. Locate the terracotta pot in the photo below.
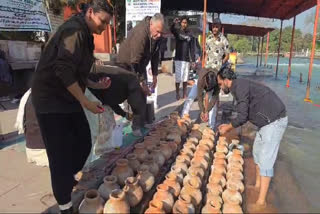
(174, 115)
(183, 126)
(235, 142)
(202, 160)
(220, 161)
(92, 203)
(173, 146)
(237, 151)
(198, 164)
(203, 147)
(153, 166)
(208, 137)
(117, 203)
(183, 205)
(155, 207)
(235, 165)
(122, 171)
(231, 195)
(212, 207)
(174, 137)
(152, 140)
(165, 196)
(194, 140)
(218, 168)
(182, 165)
(237, 183)
(158, 156)
(222, 139)
(217, 178)
(213, 197)
(140, 151)
(221, 148)
(207, 142)
(197, 170)
(235, 157)
(109, 184)
(208, 130)
(196, 133)
(235, 173)
(195, 127)
(146, 178)
(187, 151)
(214, 189)
(172, 182)
(178, 172)
(231, 208)
(219, 155)
(190, 145)
(165, 149)
(203, 154)
(133, 162)
(192, 188)
(133, 190)
(186, 158)
(192, 175)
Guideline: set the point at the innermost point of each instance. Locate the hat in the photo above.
(216, 21)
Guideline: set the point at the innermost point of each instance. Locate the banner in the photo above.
(136, 10)
(23, 15)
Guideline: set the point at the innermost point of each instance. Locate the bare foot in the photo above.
(178, 96)
(256, 208)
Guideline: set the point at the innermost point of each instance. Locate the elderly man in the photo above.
(261, 106)
(141, 47)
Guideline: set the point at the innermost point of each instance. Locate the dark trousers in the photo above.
(67, 140)
(138, 103)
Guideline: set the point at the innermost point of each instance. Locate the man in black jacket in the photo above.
(184, 49)
(261, 106)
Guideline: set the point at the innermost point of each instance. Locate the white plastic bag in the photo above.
(117, 136)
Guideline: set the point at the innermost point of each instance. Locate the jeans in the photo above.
(266, 145)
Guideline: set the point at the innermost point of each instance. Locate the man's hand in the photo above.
(129, 116)
(204, 116)
(154, 82)
(145, 89)
(104, 83)
(94, 107)
(224, 128)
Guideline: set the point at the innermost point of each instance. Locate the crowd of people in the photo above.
(57, 99)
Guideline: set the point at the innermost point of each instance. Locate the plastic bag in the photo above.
(117, 136)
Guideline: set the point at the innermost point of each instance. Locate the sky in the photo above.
(300, 20)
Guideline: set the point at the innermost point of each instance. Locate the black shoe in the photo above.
(68, 211)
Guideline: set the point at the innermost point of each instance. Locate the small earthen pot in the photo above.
(213, 207)
(214, 189)
(213, 197)
(218, 168)
(133, 190)
(183, 205)
(208, 142)
(235, 165)
(221, 148)
(236, 157)
(237, 183)
(194, 140)
(155, 207)
(92, 203)
(196, 133)
(163, 194)
(192, 188)
(165, 149)
(174, 136)
(140, 151)
(173, 146)
(220, 161)
(217, 178)
(122, 171)
(232, 208)
(109, 184)
(145, 178)
(153, 166)
(231, 195)
(219, 155)
(197, 170)
(172, 182)
(178, 172)
(117, 203)
(133, 162)
(191, 175)
(234, 174)
(158, 156)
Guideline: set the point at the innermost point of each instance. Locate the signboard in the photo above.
(23, 15)
(137, 10)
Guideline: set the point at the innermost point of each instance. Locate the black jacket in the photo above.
(184, 44)
(256, 103)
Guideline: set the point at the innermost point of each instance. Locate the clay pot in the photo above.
(207, 142)
(214, 189)
(182, 165)
(192, 188)
(217, 178)
(202, 160)
(235, 165)
(165, 149)
(185, 157)
(198, 165)
(196, 133)
(231, 195)
(213, 207)
(158, 156)
(174, 115)
(208, 137)
(178, 172)
(235, 174)
(133, 190)
(237, 152)
(92, 203)
(190, 146)
(203, 147)
(151, 140)
(172, 182)
(140, 152)
(235, 142)
(218, 168)
(183, 126)
(231, 208)
(195, 127)
(183, 205)
(237, 183)
(155, 207)
(197, 170)
(213, 197)
(220, 161)
(146, 178)
(153, 166)
(219, 155)
(235, 157)
(222, 139)
(194, 140)
(122, 171)
(109, 184)
(192, 175)
(175, 137)
(203, 154)
(133, 162)
(187, 151)
(221, 148)
(165, 196)
(208, 130)
(117, 203)
(173, 146)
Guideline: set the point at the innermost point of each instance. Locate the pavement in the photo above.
(26, 188)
